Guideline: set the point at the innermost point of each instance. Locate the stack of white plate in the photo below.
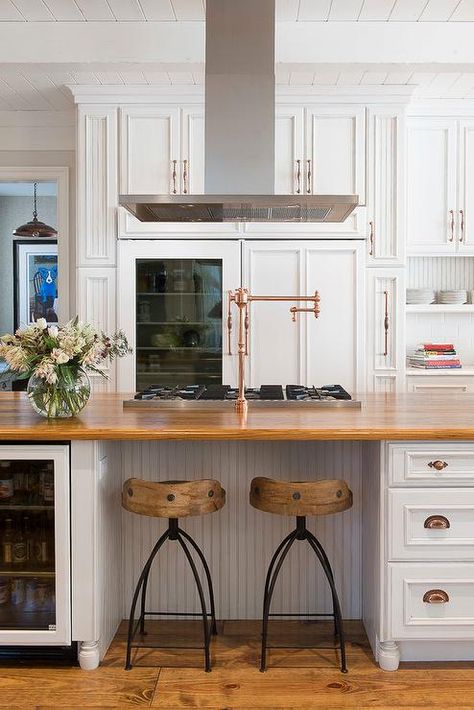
(420, 296)
(452, 297)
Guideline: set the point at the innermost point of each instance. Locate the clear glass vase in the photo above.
(66, 398)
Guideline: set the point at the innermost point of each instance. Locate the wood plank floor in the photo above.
(296, 679)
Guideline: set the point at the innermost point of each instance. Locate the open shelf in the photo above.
(466, 370)
(440, 308)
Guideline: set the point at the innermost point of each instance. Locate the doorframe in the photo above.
(60, 175)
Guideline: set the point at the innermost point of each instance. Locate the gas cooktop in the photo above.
(158, 396)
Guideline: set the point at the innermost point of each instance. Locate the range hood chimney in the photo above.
(240, 131)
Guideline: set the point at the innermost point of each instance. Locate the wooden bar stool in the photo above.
(172, 500)
(300, 499)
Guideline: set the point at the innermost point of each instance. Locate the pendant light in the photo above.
(35, 228)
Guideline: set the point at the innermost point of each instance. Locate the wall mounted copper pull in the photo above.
(451, 238)
(173, 176)
(461, 236)
(185, 177)
(298, 177)
(309, 187)
(386, 325)
(371, 238)
(436, 596)
(437, 522)
(229, 322)
(438, 465)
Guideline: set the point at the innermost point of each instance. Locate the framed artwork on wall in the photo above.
(35, 277)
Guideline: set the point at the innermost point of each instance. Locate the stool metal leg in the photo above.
(208, 577)
(282, 550)
(335, 599)
(207, 636)
(141, 580)
(312, 537)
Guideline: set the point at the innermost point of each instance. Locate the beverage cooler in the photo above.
(173, 306)
(35, 602)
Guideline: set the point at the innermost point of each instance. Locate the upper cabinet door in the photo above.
(465, 206)
(289, 165)
(431, 186)
(192, 151)
(385, 151)
(335, 151)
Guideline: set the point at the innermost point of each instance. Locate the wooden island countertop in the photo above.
(382, 417)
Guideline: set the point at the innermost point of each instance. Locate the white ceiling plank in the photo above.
(181, 77)
(376, 10)
(17, 101)
(373, 77)
(133, 77)
(55, 98)
(438, 10)
(397, 78)
(65, 10)
(328, 78)
(345, 10)
(350, 78)
(407, 10)
(158, 10)
(85, 77)
(95, 10)
(127, 10)
(9, 13)
(27, 91)
(199, 78)
(157, 77)
(444, 81)
(286, 10)
(34, 10)
(186, 10)
(108, 78)
(282, 76)
(463, 84)
(464, 12)
(301, 78)
(421, 78)
(314, 10)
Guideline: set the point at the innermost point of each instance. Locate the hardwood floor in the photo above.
(296, 679)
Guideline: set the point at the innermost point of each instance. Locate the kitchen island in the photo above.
(408, 459)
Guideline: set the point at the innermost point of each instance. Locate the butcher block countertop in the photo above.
(382, 416)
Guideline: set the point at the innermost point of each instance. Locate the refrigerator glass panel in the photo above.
(179, 322)
(27, 549)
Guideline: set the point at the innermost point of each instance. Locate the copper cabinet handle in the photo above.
(185, 177)
(436, 596)
(386, 324)
(371, 238)
(173, 177)
(309, 176)
(438, 465)
(461, 236)
(437, 522)
(298, 177)
(451, 238)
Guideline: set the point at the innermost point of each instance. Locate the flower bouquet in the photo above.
(56, 361)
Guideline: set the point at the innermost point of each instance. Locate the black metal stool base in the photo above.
(174, 532)
(300, 533)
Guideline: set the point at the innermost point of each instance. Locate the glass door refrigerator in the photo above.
(35, 597)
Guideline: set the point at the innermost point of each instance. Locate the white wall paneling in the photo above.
(440, 273)
(96, 186)
(239, 541)
(385, 194)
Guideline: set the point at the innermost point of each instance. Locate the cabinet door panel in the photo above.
(335, 144)
(385, 342)
(192, 151)
(431, 178)
(289, 178)
(465, 221)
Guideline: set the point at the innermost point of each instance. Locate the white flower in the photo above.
(59, 356)
(53, 331)
(46, 371)
(15, 357)
(41, 323)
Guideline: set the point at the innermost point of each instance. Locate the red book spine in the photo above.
(440, 347)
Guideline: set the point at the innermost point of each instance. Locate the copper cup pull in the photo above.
(371, 238)
(185, 177)
(438, 465)
(435, 596)
(173, 177)
(451, 237)
(309, 176)
(437, 522)
(298, 177)
(461, 236)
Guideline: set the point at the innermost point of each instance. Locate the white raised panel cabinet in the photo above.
(385, 141)
(192, 151)
(289, 150)
(465, 202)
(386, 350)
(310, 351)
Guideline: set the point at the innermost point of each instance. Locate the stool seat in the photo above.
(300, 498)
(172, 499)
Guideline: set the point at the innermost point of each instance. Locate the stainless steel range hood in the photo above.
(239, 132)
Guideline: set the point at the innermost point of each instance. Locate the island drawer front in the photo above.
(431, 601)
(429, 462)
(431, 524)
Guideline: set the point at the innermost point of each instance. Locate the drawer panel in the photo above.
(411, 588)
(440, 384)
(427, 524)
(431, 462)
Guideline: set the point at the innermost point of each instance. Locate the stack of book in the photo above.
(435, 356)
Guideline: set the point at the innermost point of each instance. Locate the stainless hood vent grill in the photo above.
(239, 132)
